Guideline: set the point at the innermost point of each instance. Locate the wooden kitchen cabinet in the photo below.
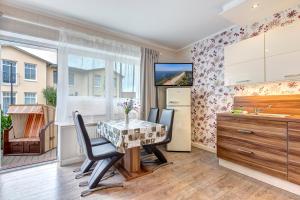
(255, 143)
(294, 152)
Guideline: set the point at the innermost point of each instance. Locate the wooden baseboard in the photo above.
(206, 148)
(282, 184)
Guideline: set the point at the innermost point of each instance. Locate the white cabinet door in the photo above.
(283, 40)
(244, 51)
(283, 67)
(178, 96)
(243, 73)
(181, 134)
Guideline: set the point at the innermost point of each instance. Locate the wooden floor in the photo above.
(9, 162)
(193, 175)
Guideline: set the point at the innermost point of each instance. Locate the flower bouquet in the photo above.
(128, 105)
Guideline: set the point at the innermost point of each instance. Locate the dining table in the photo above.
(128, 138)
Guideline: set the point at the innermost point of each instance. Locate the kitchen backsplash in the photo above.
(209, 95)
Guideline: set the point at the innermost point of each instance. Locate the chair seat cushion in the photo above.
(104, 151)
(98, 141)
(25, 140)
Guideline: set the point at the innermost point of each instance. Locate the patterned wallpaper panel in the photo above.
(209, 95)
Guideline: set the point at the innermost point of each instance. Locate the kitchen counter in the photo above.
(289, 118)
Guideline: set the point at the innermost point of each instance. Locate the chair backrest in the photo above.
(34, 124)
(77, 129)
(83, 134)
(153, 115)
(167, 118)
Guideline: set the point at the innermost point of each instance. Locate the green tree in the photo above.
(5, 124)
(50, 96)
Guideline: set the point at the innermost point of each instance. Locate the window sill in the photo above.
(30, 80)
(8, 84)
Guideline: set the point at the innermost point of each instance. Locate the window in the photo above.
(71, 77)
(8, 67)
(127, 74)
(30, 98)
(30, 71)
(55, 77)
(86, 76)
(97, 80)
(7, 100)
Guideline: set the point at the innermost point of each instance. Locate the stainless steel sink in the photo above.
(268, 114)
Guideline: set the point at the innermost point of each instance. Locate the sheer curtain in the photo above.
(94, 74)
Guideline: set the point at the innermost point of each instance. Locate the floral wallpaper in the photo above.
(209, 95)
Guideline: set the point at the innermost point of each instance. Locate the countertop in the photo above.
(290, 118)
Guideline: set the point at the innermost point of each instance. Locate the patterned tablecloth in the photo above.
(134, 134)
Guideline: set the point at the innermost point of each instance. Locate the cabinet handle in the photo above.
(292, 76)
(245, 131)
(243, 81)
(245, 151)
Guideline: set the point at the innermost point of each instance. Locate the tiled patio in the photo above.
(9, 162)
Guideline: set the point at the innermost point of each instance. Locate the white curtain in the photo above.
(94, 74)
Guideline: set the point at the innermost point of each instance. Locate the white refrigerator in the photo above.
(179, 99)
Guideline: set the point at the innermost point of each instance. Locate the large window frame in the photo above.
(6, 64)
(6, 97)
(31, 70)
(30, 97)
(97, 81)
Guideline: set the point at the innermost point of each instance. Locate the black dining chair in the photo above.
(105, 155)
(153, 115)
(86, 167)
(167, 118)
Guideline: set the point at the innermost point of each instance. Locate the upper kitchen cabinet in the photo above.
(245, 72)
(244, 61)
(283, 53)
(283, 67)
(244, 51)
(283, 40)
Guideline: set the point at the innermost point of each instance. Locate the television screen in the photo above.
(173, 74)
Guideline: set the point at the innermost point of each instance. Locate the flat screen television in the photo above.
(173, 74)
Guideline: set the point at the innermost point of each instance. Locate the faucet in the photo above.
(258, 110)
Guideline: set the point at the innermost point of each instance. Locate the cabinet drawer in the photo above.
(254, 143)
(253, 156)
(294, 152)
(270, 134)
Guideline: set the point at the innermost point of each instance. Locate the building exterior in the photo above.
(92, 82)
(29, 74)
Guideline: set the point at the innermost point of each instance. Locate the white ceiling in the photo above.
(171, 23)
(241, 11)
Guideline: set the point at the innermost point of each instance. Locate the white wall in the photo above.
(48, 20)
